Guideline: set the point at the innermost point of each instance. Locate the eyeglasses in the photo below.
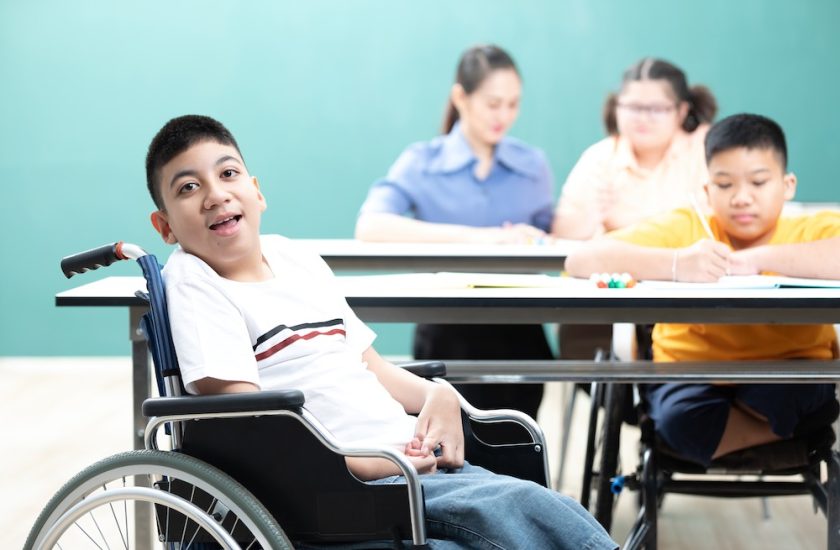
(653, 111)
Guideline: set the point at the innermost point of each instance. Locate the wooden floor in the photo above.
(59, 415)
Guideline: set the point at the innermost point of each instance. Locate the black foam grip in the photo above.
(89, 259)
(425, 368)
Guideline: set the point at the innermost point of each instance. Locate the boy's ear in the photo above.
(261, 198)
(161, 225)
(789, 182)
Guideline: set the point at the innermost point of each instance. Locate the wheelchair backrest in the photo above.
(155, 326)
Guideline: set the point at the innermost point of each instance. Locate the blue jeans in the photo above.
(473, 508)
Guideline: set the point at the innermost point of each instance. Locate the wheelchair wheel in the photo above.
(615, 396)
(596, 393)
(154, 499)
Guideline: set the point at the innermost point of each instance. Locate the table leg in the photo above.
(141, 382)
(140, 389)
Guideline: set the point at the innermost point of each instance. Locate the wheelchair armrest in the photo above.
(425, 369)
(224, 403)
(490, 416)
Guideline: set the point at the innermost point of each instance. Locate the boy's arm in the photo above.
(815, 259)
(439, 418)
(704, 261)
(208, 385)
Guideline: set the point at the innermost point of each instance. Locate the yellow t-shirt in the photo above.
(712, 342)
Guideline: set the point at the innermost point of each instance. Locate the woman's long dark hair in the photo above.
(475, 65)
(702, 106)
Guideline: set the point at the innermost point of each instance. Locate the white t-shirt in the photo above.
(295, 331)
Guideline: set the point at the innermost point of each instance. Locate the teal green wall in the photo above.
(323, 95)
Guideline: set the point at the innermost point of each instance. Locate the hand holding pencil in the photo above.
(704, 261)
(738, 262)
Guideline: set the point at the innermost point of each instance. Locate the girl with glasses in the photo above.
(652, 160)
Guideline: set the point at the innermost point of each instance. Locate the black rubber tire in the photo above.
(615, 397)
(595, 406)
(247, 509)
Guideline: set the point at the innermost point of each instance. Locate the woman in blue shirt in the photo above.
(473, 184)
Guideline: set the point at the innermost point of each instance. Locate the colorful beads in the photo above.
(605, 280)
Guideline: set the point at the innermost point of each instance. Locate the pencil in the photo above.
(700, 215)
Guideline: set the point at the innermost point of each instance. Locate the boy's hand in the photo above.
(425, 463)
(439, 425)
(745, 262)
(705, 261)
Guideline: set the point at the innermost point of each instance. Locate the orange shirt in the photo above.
(712, 342)
(640, 192)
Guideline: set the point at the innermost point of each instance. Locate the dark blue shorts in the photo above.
(690, 418)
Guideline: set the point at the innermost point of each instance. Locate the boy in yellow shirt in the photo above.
(747, 159)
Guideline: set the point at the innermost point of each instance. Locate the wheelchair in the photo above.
(661, 470)
(253, 470)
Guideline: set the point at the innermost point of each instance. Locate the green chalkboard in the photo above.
(323, 96)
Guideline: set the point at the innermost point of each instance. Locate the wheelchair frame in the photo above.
(230, 501)
(653, 481)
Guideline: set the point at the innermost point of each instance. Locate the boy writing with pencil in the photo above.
(747, 160)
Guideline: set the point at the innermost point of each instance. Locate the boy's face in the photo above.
(747, 189)
(212, 207)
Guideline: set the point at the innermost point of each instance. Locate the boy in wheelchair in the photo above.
(749, 184)
(251, 312)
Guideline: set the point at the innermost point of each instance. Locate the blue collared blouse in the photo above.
(435, 182)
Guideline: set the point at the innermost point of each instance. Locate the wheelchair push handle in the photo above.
(99, 257)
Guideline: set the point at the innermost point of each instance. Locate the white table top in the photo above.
(350, 254)
(424, 298)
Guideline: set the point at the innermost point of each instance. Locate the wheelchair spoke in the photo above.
(88, 536)
(127, 528)
(96, 524)
(208, 511)
(160, 528)
(186, 523)
(195, 533)
(123, 536)
(125, 519)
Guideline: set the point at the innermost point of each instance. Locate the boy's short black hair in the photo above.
(176, 136)
(749, 131)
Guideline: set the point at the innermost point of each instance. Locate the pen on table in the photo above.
(700, 215)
